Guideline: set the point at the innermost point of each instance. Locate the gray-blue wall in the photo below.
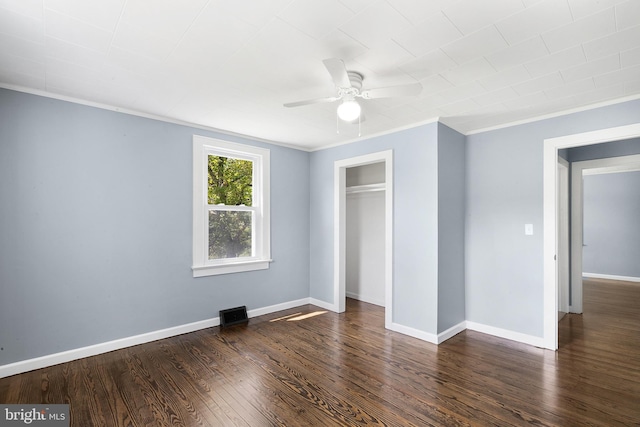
(504, 267)
(95, 228)
(612, 224)
(428, 224)
(95, 225)
(451, 216)
(415, 219)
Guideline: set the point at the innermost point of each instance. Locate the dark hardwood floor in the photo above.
(328, 369)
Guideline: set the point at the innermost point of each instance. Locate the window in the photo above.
(230, 207)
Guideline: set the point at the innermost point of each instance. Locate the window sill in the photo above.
(236, 267)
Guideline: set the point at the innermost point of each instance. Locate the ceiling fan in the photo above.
(349, 87)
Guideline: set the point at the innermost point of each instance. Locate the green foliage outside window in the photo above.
(230, 181)
(230, 184)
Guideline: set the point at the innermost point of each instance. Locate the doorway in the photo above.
(578, 170)
(385, 160)
(550, 236)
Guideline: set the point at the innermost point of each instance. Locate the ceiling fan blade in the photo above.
(338, 72)
(392, 91)
(310, 101)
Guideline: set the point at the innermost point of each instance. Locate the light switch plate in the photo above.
(528, 229)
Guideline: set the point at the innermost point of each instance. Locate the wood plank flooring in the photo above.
(327, 369)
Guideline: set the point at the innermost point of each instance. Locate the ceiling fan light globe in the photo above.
(349, 110)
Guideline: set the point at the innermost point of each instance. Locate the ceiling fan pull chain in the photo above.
(359, 122)
(337, 123)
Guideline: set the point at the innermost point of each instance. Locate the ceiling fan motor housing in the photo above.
(356, 79)
(350, 93)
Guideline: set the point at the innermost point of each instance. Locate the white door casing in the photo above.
(563, 236)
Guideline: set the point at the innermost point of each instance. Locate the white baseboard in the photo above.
(323, 304)
(611, 277)
(93, 350)
(507, 334)
(277, 307)
(365, 299)
(452, 331)
(478, 327)
(415, 333)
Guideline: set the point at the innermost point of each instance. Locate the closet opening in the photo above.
(363, 232)
(365, 188)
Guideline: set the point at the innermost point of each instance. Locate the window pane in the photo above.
(229, 234)
(230, 181)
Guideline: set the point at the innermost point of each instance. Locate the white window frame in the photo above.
(203, 147)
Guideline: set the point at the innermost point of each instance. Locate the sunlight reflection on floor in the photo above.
(306, 316)
(298, 316)
(286, 317)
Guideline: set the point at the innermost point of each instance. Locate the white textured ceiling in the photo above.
(231, 64)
